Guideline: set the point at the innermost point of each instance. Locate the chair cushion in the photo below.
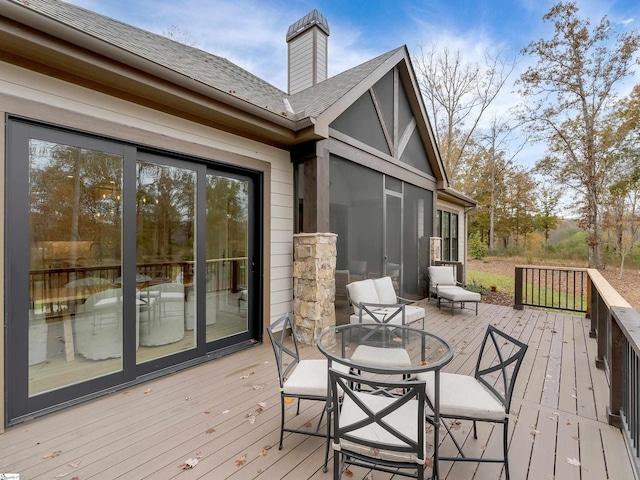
(403, 419)
(413, 313)
(311, 377)
(381, 357)
(362, 291)
(464, 396)
(384, 289)
(458, 294)
(441, 275)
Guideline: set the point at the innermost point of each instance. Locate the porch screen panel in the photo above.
(75, 230)
(417, 228)
(357, 206)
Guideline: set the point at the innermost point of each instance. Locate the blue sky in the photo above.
(251, 33)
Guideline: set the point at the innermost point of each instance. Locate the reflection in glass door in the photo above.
(75, 230)
(227, 285)
(165, 250)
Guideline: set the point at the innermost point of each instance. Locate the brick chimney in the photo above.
(308, 40)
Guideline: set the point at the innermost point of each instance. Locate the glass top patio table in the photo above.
(385, 349)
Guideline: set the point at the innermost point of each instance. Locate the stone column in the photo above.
(314, 265)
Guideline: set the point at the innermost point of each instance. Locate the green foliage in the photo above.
(476, 248)
(479, 281)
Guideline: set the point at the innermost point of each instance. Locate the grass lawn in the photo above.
(484, 280)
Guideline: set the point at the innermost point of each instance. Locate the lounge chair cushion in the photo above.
(363, 291)
(384, 289)
(458, 294)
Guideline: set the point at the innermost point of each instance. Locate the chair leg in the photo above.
(505, 447)
(281, 421)
(337, 467)
(475, 430)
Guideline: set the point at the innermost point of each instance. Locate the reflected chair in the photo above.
(485, 396)
(299, 379)
(382, 428)
(162, 314)
(98, 325)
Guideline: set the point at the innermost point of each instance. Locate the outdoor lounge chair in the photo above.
(483, 397)
(446, 289)
(379, 294)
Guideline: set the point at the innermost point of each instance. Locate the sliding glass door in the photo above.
(121, 263)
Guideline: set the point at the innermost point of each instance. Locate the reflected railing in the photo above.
(53, 290)
(614, 324)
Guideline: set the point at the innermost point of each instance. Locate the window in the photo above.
(447, 229)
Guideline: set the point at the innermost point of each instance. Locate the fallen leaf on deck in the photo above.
(288, 399)
(207, 412)
(241, 461)
(262, 404)
(148, 390)
(75, 464)
(53, 454)
(455, 425)
(573, 461)
(225, 412)
(264, 452)
(257, 387)
(210, 430)
(190, 463)
(348, 472)
(252, 419)
(568, 422)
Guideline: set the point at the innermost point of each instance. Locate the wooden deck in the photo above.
(226, 415)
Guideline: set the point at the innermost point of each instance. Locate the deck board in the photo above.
(148, 431)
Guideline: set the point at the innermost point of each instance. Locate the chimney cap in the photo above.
(306, 22)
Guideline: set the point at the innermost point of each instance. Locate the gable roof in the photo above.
(226, 95)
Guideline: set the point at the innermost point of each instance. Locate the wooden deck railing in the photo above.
(614, 324)
(558, 288)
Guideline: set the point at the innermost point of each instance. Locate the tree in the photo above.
(547, 220)
(566, 95)
(458, 93)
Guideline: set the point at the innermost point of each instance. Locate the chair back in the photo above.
(391, 314)
(442, 275)
(287, 357)
(385, 419)
(498, 363)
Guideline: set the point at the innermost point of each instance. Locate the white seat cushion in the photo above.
(311, 377)
(441, 275)
(362, 291)
(458, 294)
(463, 396)
(381, 357)
(384, 289)
(413, 313)
(402, 419)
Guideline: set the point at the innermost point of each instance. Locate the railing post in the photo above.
(616, 372)
(593, 332)
(603, 321)
(517, 304)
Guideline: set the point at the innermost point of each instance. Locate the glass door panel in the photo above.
(165, 251)
(227, 285)
(75, 231)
